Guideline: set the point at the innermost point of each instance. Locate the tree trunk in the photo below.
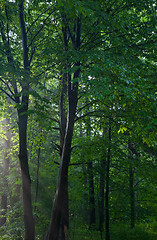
(132, 198)
(22, 103)
(22, 118)
(59, 225)
(131, 187)
(107, 186)
(92, 217)
(85, 181)
(102, 186)
(101, 194)
(62, 111)
(26, 182)
(37, 176)
(60, 217)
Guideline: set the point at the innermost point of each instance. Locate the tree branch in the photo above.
(24, 36)
(54, 120)
(7, 86)
(45, 70)
(39, 17)
(88, 104)
(93, 113)
(7, 94)
(40, 29)
(73, 164)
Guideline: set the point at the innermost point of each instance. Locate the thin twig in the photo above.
(7, 94)
(39, 17)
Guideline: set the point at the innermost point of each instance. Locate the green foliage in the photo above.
(117, 56)
(142, 231)
(13, 228)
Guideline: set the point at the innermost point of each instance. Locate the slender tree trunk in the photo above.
(85, 180)
(107, 223)
(101, 194)
(131, 187)
(59, 225)
(62, 111)
(102, 187)
(22, 104)
(26, 182)
(85, 197)
(6, 173)
(22, 119)
(60, 218)
(92, 217)
(92, 211)
(58, 229)
(37, 176)
(132, 198)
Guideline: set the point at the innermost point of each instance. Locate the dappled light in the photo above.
(78, 121)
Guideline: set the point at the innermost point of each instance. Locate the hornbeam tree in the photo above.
(60, 220)
(17, 47)
(93, 49)
(97, 43)
(21, 99)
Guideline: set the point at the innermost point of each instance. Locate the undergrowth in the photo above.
(143, 231)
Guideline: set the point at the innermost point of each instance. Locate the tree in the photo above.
(18, 91)
(98, 50)
(72, 35)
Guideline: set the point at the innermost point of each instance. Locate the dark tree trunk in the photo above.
(60, 216)
(6, 173)
(131, 187)
(58, 229)
(22, 121)
(107, 223)
(102, 186)
(62, 111)
(101, 194)
(22, 109)
(26, 182)
(92, 211)
(92, 217)
(85, 180)
(37, 176)
(132, 198)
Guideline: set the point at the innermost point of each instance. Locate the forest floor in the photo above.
(142, 231)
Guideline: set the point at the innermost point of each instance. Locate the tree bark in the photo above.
(22, 122)
(59, 225)
(37, 176)
(58, 229)
(92, 217)
(62, 111)
(102, 194)
(107, 223)
(22, 108)
(102, 184)
(131, 187)
(60, 220)
(92, 211)
(85, 180)
(26, 182)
